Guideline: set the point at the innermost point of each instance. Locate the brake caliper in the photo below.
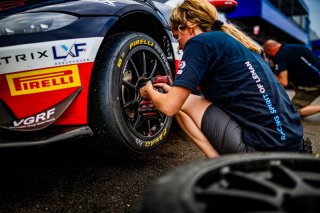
(146, 107)
(162, 79)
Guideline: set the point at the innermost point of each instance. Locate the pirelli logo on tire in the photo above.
(43, 80)
(141, 42)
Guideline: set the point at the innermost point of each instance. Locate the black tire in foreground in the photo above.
(118, 116)
(258, 182)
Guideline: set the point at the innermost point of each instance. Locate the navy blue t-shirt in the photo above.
(241, 84)
(302, 64)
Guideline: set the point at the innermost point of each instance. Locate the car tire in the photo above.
(116, 113)
(257, 182)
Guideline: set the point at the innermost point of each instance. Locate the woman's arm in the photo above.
(168, 103)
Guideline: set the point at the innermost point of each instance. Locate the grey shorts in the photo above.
(224, 134)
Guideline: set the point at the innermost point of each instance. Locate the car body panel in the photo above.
(48, 69)
(45, 76)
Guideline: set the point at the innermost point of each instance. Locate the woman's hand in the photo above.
(166, 88)
(169, 102)
(144, 90)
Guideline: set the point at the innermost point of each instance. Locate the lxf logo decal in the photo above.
(63, 51)
(43, 80)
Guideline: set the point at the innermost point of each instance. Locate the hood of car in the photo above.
(94, 7)
(80, 7)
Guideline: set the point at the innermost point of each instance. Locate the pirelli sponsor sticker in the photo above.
(43, 80)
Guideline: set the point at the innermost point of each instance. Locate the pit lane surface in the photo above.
(71, 177)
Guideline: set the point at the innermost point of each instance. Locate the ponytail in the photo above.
(241, 37)
(205, 15)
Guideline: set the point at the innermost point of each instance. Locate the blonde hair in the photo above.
(204, 14)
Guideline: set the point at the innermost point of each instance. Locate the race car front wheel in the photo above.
(117, 113)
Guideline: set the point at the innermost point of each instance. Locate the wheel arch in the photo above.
(150, 25)
(137, 21)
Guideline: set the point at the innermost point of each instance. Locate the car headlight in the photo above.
(34, 22)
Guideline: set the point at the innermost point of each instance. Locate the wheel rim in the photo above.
(263, 185)
(141, 116)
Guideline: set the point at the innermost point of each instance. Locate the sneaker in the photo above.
(307, 145)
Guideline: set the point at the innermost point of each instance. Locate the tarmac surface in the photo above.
(70, 177)
(311, 126)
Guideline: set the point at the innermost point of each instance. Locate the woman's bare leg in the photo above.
(198, 138)
(189, 118)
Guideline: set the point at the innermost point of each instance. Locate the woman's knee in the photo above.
(195, 103)
(194, 107)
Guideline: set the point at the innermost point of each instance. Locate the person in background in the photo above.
(243, 107)
(298, 65)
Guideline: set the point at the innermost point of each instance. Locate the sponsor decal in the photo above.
(141, 42)
(74, 61)
(43, 80)
(179, 72)
(73, 54)
(48, 54)
(177, 55)
(40, 119)
(17, 58)
(73, 51)
(182, 65)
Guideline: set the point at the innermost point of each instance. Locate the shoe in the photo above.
(307, 145)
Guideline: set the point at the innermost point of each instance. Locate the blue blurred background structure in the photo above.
(290, 21)
(314, 15)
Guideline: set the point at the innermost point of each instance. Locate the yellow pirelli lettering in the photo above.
(157, 140)
(43, 80)
(119, 63)
(141, 42)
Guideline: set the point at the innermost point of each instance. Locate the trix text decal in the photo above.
(23, 57)
(44, 80)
